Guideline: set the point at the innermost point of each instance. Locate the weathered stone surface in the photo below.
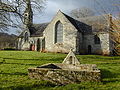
(71, 59)
(70, 71)
(69, 35)
(63, 77)
(77, 34)
(32, 41)
(102, 48)
(72, 38)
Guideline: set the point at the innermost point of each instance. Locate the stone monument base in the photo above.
(61, 74)
(70, 71)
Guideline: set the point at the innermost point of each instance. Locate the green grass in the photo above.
(14, 65)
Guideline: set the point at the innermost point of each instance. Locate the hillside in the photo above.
(7, 41)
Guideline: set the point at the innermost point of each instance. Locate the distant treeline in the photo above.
(7, 41)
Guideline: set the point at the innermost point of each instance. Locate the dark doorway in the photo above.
(38, 45)
(43, 45)
(89, 49)
(32, 47)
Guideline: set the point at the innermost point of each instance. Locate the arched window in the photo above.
(26, 37)
(96, 39)
(58, 32)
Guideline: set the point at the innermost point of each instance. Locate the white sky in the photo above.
(52, 6)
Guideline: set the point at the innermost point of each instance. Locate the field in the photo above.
(14, 65)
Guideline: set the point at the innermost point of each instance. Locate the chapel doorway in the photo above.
(89, 49)
(32, 47)
(38, 45)
(43, 45)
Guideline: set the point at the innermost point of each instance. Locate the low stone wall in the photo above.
(63, 77)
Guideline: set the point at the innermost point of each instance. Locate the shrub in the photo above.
(9, 48)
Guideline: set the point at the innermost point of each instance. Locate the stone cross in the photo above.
(71, 59)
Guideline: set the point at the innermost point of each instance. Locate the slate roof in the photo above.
(88, 25)
(91, 24)
(36, 30)
(73, 21)
(94, 24)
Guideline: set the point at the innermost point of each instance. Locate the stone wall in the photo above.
(69, 35)
(21, 42)
(72, 38)
(63, 77)
(22, 45)
(67, 72)
(102, 48)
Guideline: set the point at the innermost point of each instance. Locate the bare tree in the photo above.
(82, 12)
(114, 21)
(11, 11)
(3, 21)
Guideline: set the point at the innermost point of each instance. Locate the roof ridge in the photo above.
(73, 21)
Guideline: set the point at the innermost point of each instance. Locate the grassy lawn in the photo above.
(14, 65)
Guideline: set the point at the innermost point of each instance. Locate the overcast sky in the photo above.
(52, 6)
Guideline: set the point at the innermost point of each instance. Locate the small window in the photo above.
(26, 37)
(26, 14)
(71, 60)
(96, 39)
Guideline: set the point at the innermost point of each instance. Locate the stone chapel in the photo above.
(88, 35)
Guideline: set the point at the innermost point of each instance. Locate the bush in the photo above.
(9, 49)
